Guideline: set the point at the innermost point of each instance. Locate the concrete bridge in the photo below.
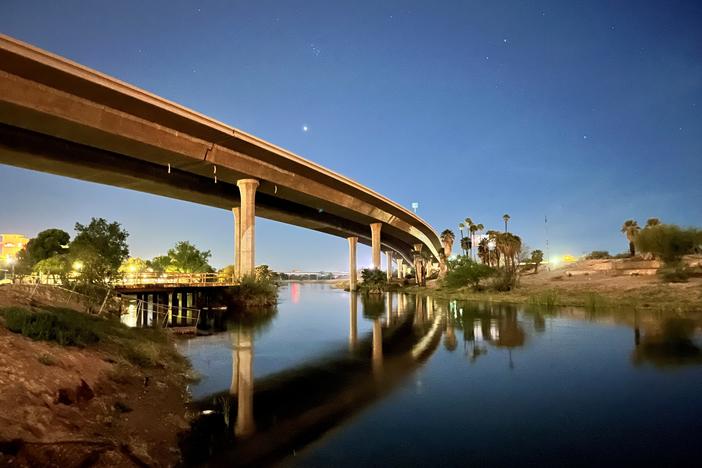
(60, 117)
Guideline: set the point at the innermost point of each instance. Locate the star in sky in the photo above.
(305, 128)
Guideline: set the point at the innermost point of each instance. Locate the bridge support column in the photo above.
(375, 243)
(419, 265)
(353, 241)
(247, 226)
(236, 212)
(389, 255)
(400, 268)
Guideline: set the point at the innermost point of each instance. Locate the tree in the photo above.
(462, 226)
(537, 256)
(374, 280)
(506, 218)
(650, 222)
(134, 266)
(668, 242)
(47, 244)
(264, 273)
(465, 272)
(465, 245)
(184, 257)
(159, 263)
(100, 248)
(447, 238)
(56, 267)
(631, 228)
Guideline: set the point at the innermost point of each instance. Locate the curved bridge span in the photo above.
(60, 117)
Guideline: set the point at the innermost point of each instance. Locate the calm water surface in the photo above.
(331, 379)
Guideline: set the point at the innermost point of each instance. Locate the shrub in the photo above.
(598, 255)
(256, 292)
(675, 274)
(465, 272)
(668, 242)
(47, 326)
(505, 280)
(374, 280)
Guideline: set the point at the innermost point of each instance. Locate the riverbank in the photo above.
(595, 290)
(78, 390)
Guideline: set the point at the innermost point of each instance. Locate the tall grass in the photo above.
(549, 299)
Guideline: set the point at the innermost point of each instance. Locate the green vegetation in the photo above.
(47, 244)
(464, 272)
(254, 292)
(537, 256)
(669, 242)
(184, 257)
(374, 281)
(143, 347)
(598, 255)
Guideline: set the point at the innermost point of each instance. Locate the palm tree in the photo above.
(479, 228)
(631, 228)
(473, 229)
(461, 226)
(447, 238)
(650, 222)
(506, 217)
(465, 244)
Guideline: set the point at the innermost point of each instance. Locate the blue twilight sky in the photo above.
(588, 112)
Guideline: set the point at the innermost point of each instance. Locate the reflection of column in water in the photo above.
(353, 320)
(388, 307)
(418, 310)
(401, 304)
(430, 308)
(244, 415)
(377, 346)
(234, 387)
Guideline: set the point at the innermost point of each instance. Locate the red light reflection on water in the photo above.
(295, 292)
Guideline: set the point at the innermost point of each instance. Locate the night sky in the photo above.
(587, 112)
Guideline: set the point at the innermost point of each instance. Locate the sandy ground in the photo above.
(66, 407)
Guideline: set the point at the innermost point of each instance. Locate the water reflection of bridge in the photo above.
(291, 408)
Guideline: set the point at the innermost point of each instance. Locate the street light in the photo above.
(10, 261)
(77, 265)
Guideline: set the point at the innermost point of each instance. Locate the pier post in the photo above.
(400, 268)
(247, 226)
(375, 243)
(353, 241)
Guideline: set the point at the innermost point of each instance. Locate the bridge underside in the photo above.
(40, 152)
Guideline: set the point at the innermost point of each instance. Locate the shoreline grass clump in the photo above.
(142, 347)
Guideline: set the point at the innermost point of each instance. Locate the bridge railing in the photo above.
(174, 279)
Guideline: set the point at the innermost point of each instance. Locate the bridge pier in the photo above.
(236, 212)
(375, 244)
(247, 226)
(389, 255)
(418, 265)
(353, 241)
(400, 268)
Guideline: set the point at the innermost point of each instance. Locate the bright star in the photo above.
(305, 128)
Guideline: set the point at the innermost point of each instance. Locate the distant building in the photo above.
(11, 244)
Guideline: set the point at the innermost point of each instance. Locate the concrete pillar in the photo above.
(353, 320)
(400, 267)
(353, 241)
(236, 212)
(418, 265)
(245, 425)
(389, 255)
(375, 243)
(247, 226)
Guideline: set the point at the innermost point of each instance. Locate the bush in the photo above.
(598, 255)
(256, 292)
(675, 274)
(374, 280)
(668, 242)
(505, 280)
(465, 272)
(47, 326)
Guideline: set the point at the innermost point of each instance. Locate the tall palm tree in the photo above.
(465, 243)
(650, 222)
(631, 228)
(473, 229)
(506, 218)
(447, 238)
(461, 226)
(479, 228)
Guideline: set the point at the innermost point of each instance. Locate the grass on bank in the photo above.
(143, 347)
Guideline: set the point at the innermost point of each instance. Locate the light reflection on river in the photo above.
(450, 384)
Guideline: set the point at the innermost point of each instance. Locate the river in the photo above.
(333, 379)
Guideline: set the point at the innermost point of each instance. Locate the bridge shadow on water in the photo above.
(261, 423)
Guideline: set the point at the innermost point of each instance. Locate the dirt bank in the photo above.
(67, 406)
(584, 284)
